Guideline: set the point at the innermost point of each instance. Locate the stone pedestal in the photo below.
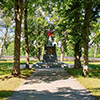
(50, 54)
(50, 59)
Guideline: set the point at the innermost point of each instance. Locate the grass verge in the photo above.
(91, 82)
(8, 83)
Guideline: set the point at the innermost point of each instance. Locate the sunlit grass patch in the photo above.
(69, 62)
(9, 83)
(91, 82)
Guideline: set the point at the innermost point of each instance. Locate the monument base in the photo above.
(50, 65)
(50, 59)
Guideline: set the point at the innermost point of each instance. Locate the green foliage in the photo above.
(10, 50)
(67, 15)
(91, 52)
(37, 28)
(6, 6)
(98, 56)
(95, 37)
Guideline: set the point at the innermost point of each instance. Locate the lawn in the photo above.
(92, 81)
(8, 83)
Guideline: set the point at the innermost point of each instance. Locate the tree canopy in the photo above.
(76, 24)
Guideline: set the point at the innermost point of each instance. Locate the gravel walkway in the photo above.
(51, 84)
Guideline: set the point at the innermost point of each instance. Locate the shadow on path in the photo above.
(47, 75)
(62, 94)
(51, 85)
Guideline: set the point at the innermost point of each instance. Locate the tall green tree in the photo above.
(37, 26)
(95, 35)
(26, 34)
(8, 42)
(76, 29)
(18, 20)
(86, 32)
(6, 23)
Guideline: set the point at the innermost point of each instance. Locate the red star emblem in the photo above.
(50, 33)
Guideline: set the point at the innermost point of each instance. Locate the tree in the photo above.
(71, 13)
(26, 35)
(8, 42)
(86, 32)
(4, 24)
(64, 38)
(18, 21)
(76, 30)
(95, 35)
(37, 31)
(2, 44)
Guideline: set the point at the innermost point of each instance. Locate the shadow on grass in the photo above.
(75, 72)
(11, 76)
(5, 94)
(5, 65)
(78, 72)
(61, 93)
(25, 73)
(95, 66)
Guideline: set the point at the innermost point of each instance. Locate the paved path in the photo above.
(51, 84)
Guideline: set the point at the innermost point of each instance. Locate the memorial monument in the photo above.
(50, 56)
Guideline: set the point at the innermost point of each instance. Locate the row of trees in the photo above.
(8, 49)
(75, 23)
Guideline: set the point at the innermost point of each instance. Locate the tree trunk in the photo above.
(26, 36)
(62, 52)
(18, 21)
(95, 50)
(66, 57)
(39, 48)
(39, 53)
(86, 32)
(2, 44)
(77, 50)
(63, 45)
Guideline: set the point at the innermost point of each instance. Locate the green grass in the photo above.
(92, 81)
(8, 83)
(95, 65)
(69, 62)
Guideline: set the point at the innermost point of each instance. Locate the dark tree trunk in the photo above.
(3, 42)
(66, 56)
(39, 49)
(77, 50)
(26, 36)
(77, 37)
(18, 21)
(95, 50)
(62, 52)
(39, 53)
(63, 45)
(86, 32)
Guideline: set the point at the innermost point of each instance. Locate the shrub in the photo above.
(98, 56)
